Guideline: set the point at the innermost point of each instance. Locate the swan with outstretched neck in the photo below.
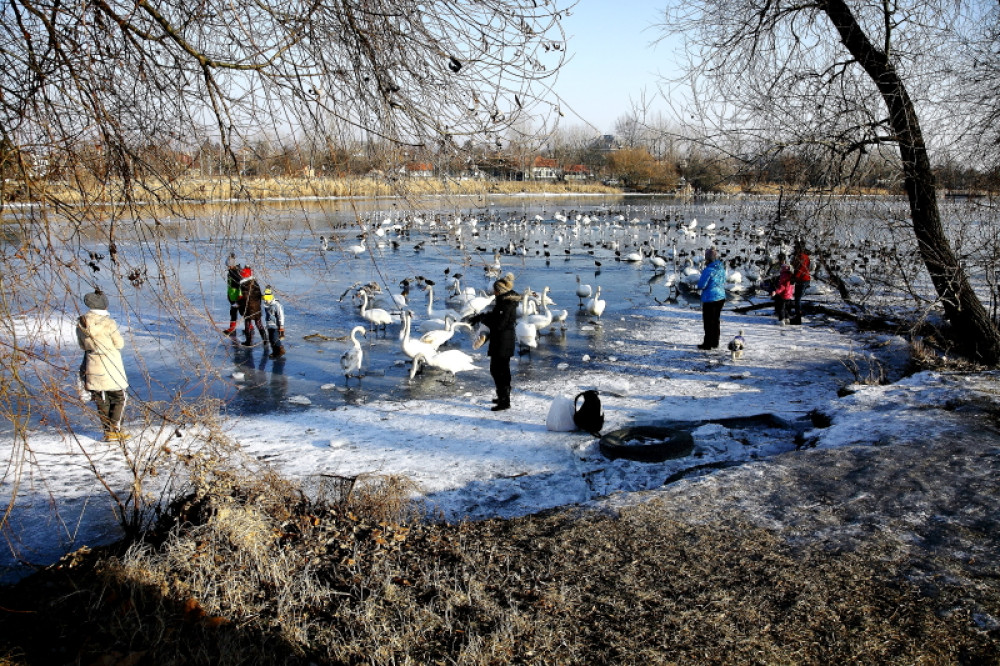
(353, 358)
(410, 346)
(377, 317)
(453, 361)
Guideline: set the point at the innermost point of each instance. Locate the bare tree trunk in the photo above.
(976, 333)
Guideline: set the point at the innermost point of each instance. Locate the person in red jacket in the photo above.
(800, 272)
(783, 292)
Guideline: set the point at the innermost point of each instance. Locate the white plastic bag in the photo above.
(81, 387)
(560, 416)
(81, 380)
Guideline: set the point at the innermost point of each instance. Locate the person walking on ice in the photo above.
(232, 292)
(274, 319)
(250, 306)
(103, 368)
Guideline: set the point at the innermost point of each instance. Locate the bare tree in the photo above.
(104, 104)
(569, 144)
(842, 75)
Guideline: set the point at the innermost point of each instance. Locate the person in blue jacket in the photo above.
(713, 296)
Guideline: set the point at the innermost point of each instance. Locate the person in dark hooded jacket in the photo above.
(501, 319)
(250, 306)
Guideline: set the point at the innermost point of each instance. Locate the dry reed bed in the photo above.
(250, 572)
(219, 189)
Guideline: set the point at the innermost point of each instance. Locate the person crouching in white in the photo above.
(103, 369)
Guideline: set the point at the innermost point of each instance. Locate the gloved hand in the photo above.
(281, 333)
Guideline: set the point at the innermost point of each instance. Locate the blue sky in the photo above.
(611, 60)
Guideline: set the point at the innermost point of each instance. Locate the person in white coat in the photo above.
(103, 369)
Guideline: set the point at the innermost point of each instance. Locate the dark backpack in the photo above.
(589, 416)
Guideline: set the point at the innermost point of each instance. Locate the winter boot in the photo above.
(503, 400)
(248, 338)
(231, 329)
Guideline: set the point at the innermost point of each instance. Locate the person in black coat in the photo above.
(501, 319)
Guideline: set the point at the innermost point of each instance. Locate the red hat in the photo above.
(246, 272)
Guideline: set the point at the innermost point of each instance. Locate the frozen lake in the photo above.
(544, 242)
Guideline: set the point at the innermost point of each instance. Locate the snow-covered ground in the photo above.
(470, 462)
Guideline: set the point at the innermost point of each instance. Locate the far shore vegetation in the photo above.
(221, 189)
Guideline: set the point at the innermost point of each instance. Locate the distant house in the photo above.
(419, 170)
(499, 168)
(577, 172)
(606, 144)
(543, 168)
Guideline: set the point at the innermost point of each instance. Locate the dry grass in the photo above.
(217, 189)
(866, 369)
(249, 571)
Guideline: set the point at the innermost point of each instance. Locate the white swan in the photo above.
(434, 323)
(527, 336)
(691, 275)
(494, 270)
(559, 317)
(595, 306)
(527, 306)
(452, 360)
(583, 290)
(353, 357)
(395, 301)
(476, 305)
(659, 263)
(377, 317)
(543, 319)
(410, 346)
(735, 283)
(524, 330)
(441, 336)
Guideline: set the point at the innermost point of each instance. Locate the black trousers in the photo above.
(711, 313)
(781, 308)
(248, 325)
(800, 288)
(110, 407)
(500, 371)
